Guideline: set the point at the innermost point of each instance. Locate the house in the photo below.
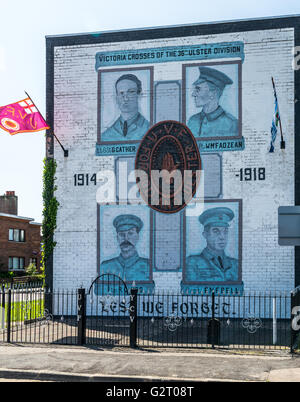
(20, 237)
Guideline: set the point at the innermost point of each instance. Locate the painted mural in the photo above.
(213, 248)
(126, 111)
(212, 99)
(202, 243)
(125, 252)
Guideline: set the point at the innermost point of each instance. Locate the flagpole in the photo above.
(66, 152)
(282, 143)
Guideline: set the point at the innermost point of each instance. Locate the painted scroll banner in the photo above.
(221, 145)
(204, 146)
(172, 53)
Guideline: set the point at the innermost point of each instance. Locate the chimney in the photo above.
(9, 203)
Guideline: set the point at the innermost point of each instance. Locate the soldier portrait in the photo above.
(131, 261)
(125, 105)
(212, 101)
(217, 259)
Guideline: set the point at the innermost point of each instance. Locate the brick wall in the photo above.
(265, 265)
(9, 203)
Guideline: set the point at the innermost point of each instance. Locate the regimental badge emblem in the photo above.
(10, 124)
(168, 166)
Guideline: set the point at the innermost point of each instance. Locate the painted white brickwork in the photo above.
(265, 265)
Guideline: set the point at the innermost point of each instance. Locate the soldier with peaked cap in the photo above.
(128, 265)
(131, 124)
(212, 264)
(213, 120)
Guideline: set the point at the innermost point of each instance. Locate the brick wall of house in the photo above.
(28, 249)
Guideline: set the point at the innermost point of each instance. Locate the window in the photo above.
(17, 235)
(16, 263)
(33, 261)
(22, 235)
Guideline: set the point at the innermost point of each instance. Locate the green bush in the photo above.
(50, 209)
(31, 270)
(6, 275)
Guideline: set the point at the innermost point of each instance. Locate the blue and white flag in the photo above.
(275, 121)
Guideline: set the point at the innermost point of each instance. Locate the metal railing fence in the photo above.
(255, 320)
(251, 320)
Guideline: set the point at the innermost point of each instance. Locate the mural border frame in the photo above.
(220, 195)
(179, 83)
(151, 89)
(239, 92)
(239, 201)
(178, 269)
(150, 245)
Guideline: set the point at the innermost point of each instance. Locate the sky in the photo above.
(24, 25)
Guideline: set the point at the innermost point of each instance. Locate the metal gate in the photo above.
(27, 316)
(111, 314)
(107, 312)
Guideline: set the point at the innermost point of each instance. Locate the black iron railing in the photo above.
(199, 320)
(129, 318)
(26, 282)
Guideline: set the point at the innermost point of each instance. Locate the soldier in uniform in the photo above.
(128, 265)
(213, 120)
(131, 124)
(212, 264)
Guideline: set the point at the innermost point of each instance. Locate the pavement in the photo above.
(88, 364)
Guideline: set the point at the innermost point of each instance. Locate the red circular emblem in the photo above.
(168, 166)
(10, 124)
